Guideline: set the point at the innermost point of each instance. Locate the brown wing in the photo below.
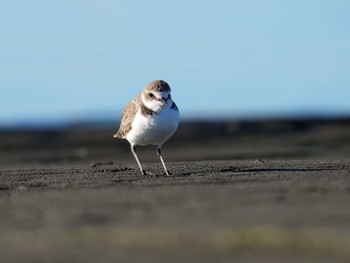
(128, 117)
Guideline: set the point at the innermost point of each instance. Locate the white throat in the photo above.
(155, 104)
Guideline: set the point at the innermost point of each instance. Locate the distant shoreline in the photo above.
(108, 123)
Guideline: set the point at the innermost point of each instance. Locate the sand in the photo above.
(273, 197)
(211, 210)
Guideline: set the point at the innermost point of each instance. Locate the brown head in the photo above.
(158, 85)
(156, 95)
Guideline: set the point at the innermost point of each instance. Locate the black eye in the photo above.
(150, 94)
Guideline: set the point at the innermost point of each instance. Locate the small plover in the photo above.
(151, 118)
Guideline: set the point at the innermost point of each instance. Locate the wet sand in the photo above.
(279, 200)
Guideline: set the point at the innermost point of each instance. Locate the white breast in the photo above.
(153, 129)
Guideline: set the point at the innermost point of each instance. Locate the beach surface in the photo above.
(276, 194)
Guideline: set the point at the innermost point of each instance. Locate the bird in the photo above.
(150, 118)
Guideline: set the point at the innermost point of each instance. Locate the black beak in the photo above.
(164, 100)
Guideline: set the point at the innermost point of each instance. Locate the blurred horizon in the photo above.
(104, 121)
(64, 62)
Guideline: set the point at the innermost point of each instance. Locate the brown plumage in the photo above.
(133, 106)
(158, 85)
(128, 117)
(157, 118)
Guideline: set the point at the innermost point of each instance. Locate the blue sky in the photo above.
(62, 60)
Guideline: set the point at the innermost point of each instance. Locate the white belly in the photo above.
(153, 129)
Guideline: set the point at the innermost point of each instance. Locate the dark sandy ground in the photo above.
(279, 194)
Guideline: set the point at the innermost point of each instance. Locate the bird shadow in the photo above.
(238, 169)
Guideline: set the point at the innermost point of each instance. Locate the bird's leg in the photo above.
(159, 152)
(133, 147)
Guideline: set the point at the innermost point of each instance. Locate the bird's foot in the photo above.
(143, 172)
(167, 173)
